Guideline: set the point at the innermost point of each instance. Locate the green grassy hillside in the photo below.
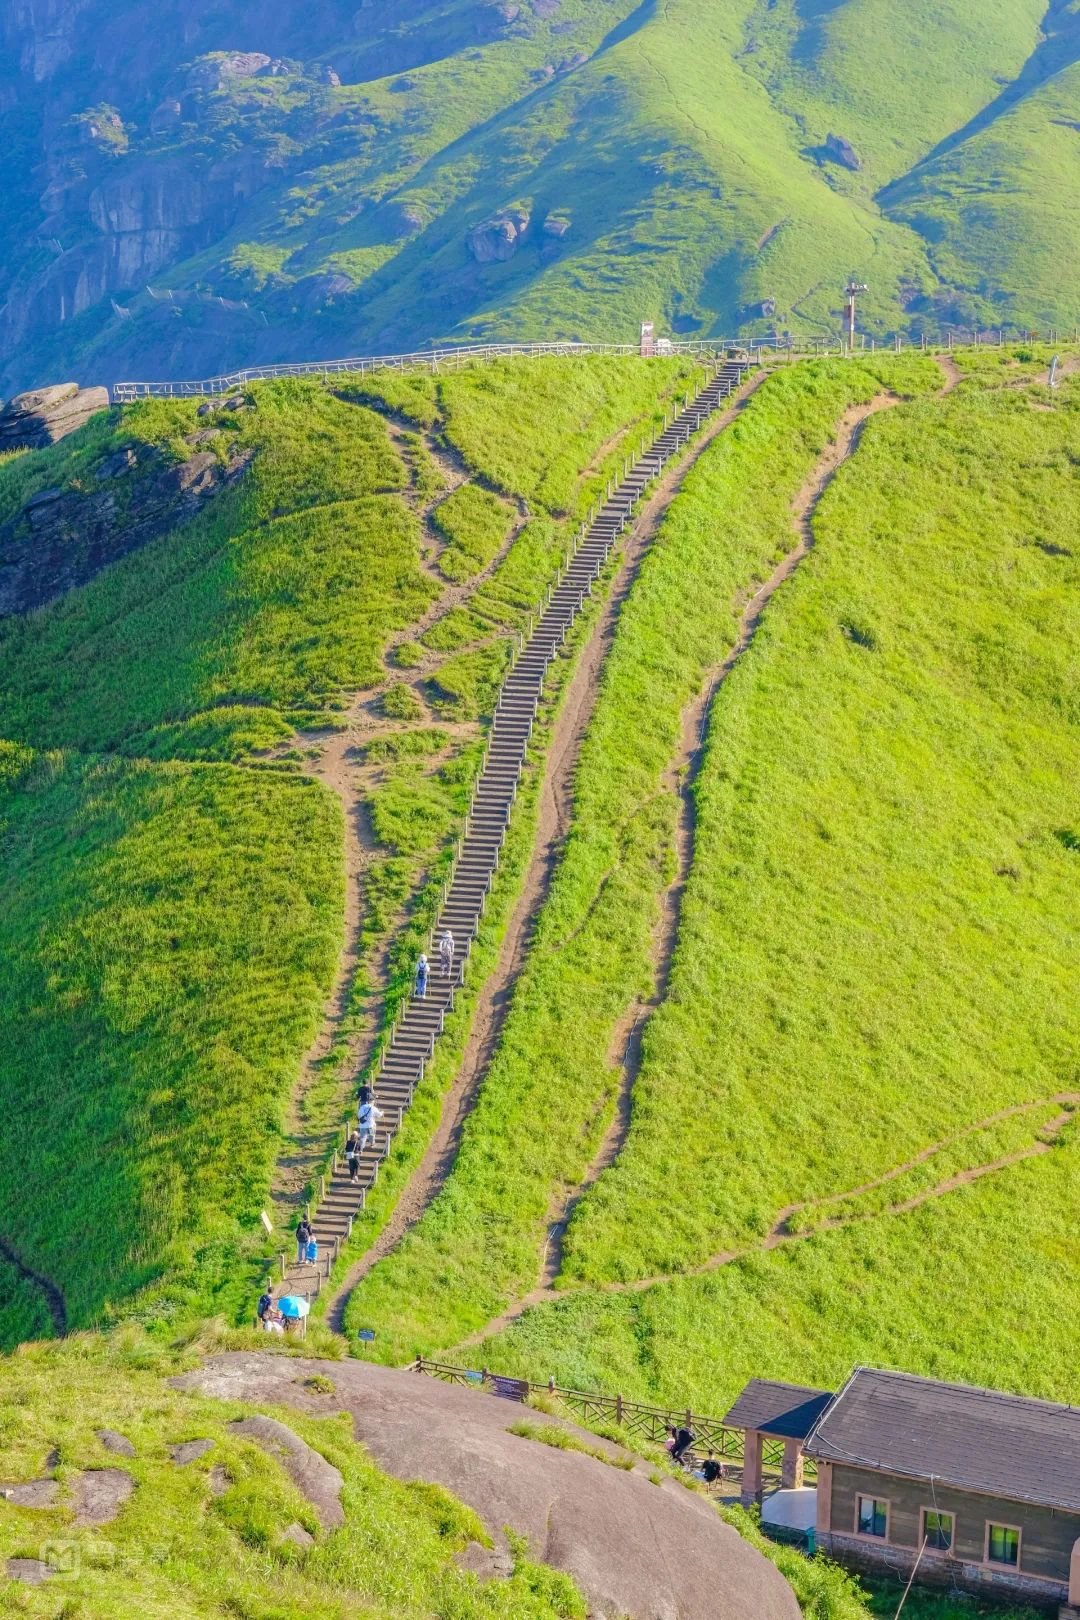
(172, 870)
(857, 1082)
(686, 162)
(212, 1537)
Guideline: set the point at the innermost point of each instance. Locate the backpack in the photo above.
(312, 1251)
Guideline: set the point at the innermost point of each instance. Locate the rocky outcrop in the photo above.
(32, 421)
(497, 239)
(214, 71)
(35, 1493)
(309, 1471)
(118, 1444)
(62, 537)
(841, 151)
(636, 1549)
(556, 225)
(98, 1495)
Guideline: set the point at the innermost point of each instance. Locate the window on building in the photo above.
(873, 1516)
(1003, 1545)
(937, 1529)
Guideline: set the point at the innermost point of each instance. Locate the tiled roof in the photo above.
(787, 1410)
(976, 1439)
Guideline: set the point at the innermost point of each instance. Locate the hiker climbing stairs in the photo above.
(411, 1043)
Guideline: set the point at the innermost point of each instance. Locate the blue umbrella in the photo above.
(294, 1305)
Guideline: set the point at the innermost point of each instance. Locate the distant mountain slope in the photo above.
(343, 178)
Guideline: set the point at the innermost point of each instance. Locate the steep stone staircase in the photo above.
(412, 1042)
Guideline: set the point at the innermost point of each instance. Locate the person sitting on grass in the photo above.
(265, 1305)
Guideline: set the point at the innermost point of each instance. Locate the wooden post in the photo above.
(618, 1409)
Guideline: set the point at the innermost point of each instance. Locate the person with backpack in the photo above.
(265, 1305)
(422, 975)
(369, 1120)
(446, 953)
(711, 1470)
(684, 1439)
(303, 1238)
(353, 1150)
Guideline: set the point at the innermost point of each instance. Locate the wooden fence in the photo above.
(635, 1418)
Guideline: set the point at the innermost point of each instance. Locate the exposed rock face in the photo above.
(166, 115)
(216, 70)
(309, 1471)
(63, 537)
(557, 225)
(99, 1494)
(602, 1525)
(189, 1451)
(32, 421)
(36, 1493)
(29, 1571)
(842, 152)
(118, 1444)
(498, 238)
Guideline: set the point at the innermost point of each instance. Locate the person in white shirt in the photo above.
(446, 953)
(369, 1119)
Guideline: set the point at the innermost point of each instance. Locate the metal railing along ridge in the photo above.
(428, 359)
(433, 359)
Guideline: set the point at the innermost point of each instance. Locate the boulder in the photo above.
(601, 1524)
(124, 461)
(36, 1493)
(62, 537)
(556, 225)
(330, 77)
(30, 1571)
(298, 1536)
(189, 1451)
(39, 418)
(842, 152)
(212, 72)
(497, 239)
(165, 116)
(99, 1494)
(118, 1444)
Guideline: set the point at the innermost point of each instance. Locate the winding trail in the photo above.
(339, 768)
(555, 810)
(680, 778)
(781, 1233)
(54, 1299)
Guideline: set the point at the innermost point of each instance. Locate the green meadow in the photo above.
(550, 1091)
(874, 958)
(173, 875)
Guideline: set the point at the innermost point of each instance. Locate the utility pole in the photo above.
(852, 291)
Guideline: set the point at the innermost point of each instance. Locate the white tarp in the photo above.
(793, 1510)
